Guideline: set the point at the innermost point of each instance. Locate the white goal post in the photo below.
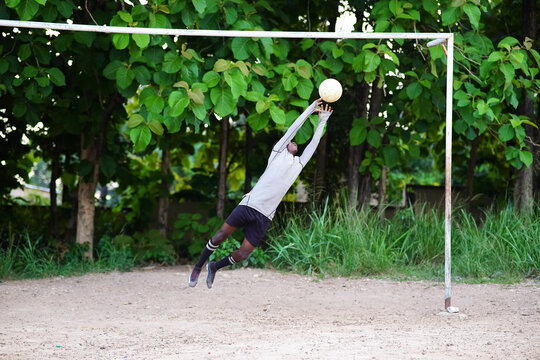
(437, 38)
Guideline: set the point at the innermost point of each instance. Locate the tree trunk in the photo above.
(320, 167)
(361, 96)
(55, 174)
(222, 185)
(249, 149)
(374, 109)
(69, 198)
(163, 202)
(86, 201)
(91, 150)
(471, 166)
(523, 185)
(382, 192)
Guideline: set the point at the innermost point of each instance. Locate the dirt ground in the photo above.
(263, 314)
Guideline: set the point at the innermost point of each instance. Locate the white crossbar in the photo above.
(219, 33)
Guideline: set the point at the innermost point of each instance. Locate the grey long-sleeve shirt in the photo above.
(283, 168)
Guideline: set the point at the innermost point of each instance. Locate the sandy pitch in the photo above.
(263, 314)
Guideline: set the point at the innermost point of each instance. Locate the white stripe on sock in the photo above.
(232, 260)
(211, 246)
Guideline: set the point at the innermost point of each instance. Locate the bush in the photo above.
(257, 258)
(150, 246)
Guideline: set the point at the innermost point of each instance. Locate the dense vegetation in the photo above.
(154, 122)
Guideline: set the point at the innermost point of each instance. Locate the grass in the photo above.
(28, 256)
(334, 241)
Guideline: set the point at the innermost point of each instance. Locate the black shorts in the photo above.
(253, 222)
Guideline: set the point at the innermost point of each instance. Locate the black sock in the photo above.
(208, 250)
(226, 261)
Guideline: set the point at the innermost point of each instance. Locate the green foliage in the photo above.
(149, 246)
(190, 234)
(333, 241)
(258, 257)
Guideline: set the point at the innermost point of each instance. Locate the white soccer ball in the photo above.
(330, 90)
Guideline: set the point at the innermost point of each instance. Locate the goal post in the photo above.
(437, 38)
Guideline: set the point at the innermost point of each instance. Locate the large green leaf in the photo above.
(240, 47)
(258, 121)
(473, 12)
(65, 8)
(508, 42)
(197, 96)
(199, 110)
(142, 74)
(27, 9)
(304, 134)
(56, 76)
(124, 77)
(86, 38)
(303, 68)
(230, 15)
(391, 156)
(190, 72)
(223, 101)
(140, 136)
(200, 5)
(211, 78)
(107, 165)
(178, 101)
(277, 114)
(172, 63)
(236, 81)
(304, 88)
(142, 40)
(120, 41)
(173, 123)
(508, 71)
(221, 65)
(450, 16)
(135, 120)
(526, 157)
(156, 127)
(414, 90)
(154, 103)
(374, 138)
(506, 132)
(289, 81)
(110, 70)
(371, 61)
(357, 135)
(261, 106)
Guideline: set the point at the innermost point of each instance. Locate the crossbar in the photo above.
(219, 33)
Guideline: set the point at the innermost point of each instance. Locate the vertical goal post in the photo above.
(437, 39)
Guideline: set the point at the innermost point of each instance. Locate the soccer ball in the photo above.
(330, 90)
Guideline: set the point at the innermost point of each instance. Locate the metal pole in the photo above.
(448, 175)
(219, 33)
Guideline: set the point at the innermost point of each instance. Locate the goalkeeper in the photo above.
(257, 207)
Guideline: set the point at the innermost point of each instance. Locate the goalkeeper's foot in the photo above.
(211, 274)
(194, 277)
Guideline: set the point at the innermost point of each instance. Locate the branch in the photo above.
(89, 13)
(530, 141)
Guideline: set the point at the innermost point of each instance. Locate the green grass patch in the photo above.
(27, 256)
(333, 241)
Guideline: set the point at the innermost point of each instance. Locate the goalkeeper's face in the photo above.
(292, 148)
